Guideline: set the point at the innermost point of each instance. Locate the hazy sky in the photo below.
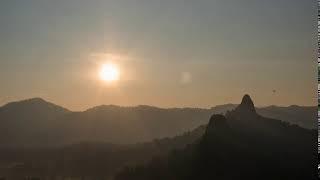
(197, 53)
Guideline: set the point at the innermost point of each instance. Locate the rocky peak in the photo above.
(246, 105)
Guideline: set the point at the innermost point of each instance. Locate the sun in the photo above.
(109, 73)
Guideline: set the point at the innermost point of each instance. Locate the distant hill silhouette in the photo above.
(35, 122)
(300, 115)
(240, 145)
(29, 122)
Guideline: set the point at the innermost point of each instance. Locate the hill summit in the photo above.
(247, 104)
(245, 110)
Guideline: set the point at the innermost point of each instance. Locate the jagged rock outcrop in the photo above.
(246, 105)
(245, 111)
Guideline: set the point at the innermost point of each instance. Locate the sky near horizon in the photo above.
(170, 53)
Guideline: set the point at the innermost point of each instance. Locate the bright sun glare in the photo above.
(109, 72)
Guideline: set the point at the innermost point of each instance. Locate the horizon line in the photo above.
(149, 105)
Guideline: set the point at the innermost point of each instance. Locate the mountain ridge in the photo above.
(226, 139)
(36, 121)
(223, 106)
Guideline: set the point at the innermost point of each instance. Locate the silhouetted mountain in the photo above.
(36, 122)
(208, 151)
(240, 145)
